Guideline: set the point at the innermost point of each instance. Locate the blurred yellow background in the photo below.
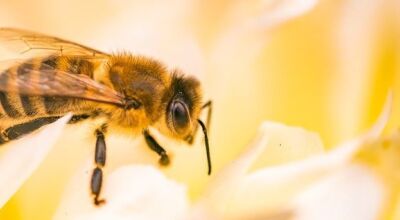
(328, 70)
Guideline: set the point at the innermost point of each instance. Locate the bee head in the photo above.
(183, 105)
(183, 110)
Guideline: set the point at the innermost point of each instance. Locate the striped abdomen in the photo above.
(18, 106)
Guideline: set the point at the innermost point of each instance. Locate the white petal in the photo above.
(131, 192)
(352, 193)
(20, 158)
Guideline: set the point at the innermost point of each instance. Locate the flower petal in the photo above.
(131, 192)
(272, 187)
(275, 139)
(220, 189)
(22, 157)
(262, 14)
(268, 13)
(357, 40)
(233, 194)
(287, 144)
(352, 193)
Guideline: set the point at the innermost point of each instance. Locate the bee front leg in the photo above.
(100, 160)
(190, 138)
(152, 143)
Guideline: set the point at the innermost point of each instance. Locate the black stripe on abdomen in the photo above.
(8, 107)
(26, 101)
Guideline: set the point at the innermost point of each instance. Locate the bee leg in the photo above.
(152, 143)
(19, 130)
(190, 138)
(208, 105)
(100, 160)
(16, 131)
(78, 118)
(4, 136)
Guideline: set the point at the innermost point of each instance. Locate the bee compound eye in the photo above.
(180, 116)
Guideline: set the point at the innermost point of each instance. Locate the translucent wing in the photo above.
(34, 44)
(53, 82)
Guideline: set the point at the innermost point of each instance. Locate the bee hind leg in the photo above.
(152, 143)
(3, 136)
(100, 161)
(19, 130)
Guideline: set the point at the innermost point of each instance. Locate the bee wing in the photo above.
(34, 44)
(53, 82)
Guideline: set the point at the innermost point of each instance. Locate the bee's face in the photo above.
(183, 106)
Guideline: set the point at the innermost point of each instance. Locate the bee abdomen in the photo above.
(15, 105)
(56, 105)
(11, 102)
(69, 64)
(80, 66)
(8, 102)
(27, 102)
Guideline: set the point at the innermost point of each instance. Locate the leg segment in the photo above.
(100, 160)
(152, 143)
(78, 118)
(190, 138)
(19, 130)
(209, 106)
(95, 185)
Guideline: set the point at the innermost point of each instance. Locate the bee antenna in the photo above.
(206, 144)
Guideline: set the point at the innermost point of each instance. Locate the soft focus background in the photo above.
(328, 71)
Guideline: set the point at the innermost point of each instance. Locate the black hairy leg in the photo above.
(20, 130)
(100, 162)
(152, 143)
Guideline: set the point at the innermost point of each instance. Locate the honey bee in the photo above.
(129, 91)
